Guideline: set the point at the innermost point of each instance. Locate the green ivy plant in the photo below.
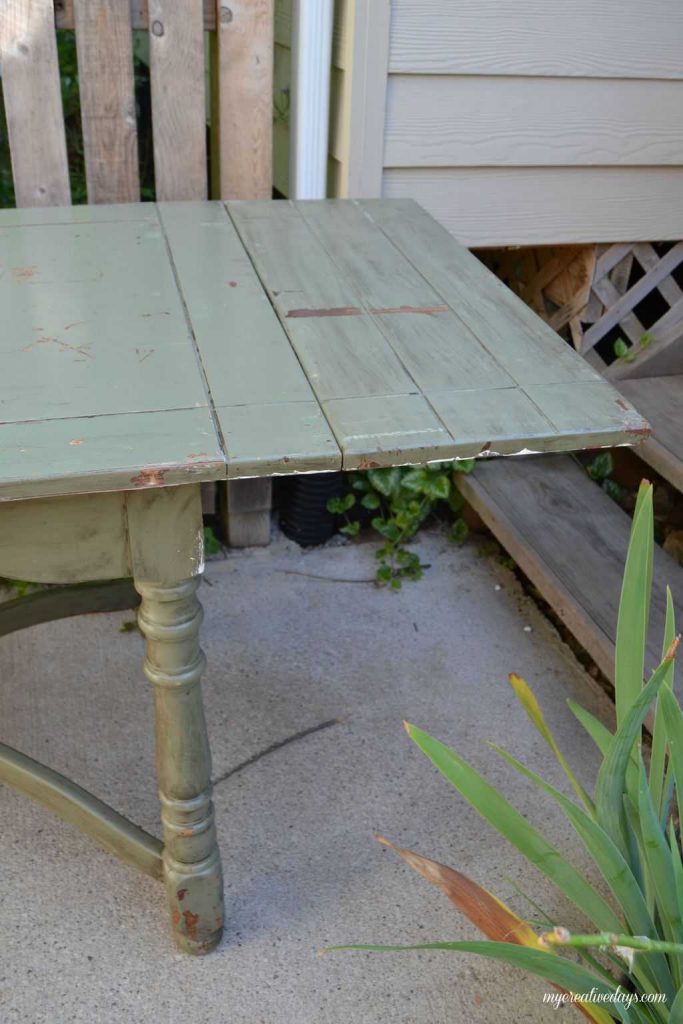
(626, 354)
(402, 497)
(601, 469)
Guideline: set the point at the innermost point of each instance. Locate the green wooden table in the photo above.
(146, 349)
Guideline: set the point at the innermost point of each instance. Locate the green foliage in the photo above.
(600, 469)
(626, 353)
(20, 587)
(629, 828)
(403, 498)
(281, 105)
(211, 543)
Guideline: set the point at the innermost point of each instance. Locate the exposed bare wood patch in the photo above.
(295, 314)
(357, 311)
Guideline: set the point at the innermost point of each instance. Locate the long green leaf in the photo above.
(527, 699)
(555, 969)
(673, 722)
(598, 732)
(636, 853)
(676, 1015)
(516, 829)
(611, 784)
(634, 607)
(616, 872)
(602, 737)
(658, 755)
(660, 869)
(677, 866)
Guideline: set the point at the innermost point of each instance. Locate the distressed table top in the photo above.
(146, 345)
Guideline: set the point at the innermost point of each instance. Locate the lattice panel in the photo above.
(625, 276)
(604, 295)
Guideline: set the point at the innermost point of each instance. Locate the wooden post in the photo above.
(244, 170)
(104, 45)
(33, 104)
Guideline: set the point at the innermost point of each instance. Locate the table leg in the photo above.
(169, 617)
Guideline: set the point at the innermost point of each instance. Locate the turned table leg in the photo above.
(169, 617)
(165, 536)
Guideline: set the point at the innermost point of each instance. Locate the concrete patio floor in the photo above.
(335, 667)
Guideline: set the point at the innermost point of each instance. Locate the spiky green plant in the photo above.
(628, 827)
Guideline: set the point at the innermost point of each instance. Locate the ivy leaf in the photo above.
(439, 487)
(601, 466)
(463, 465)
(386, 481)
(414, 480)
(211, 544)
(613, 489)
(623, 352)
(351, 529)
(338, 506)
(370, 500)
(458, 531)
(387, 529)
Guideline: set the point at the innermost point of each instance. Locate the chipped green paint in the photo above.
(149, 346)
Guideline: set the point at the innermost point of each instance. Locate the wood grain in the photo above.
(556, 523)
(176, 43)
(396, 430)
(64, 18)
(75, 539)
(613, 39)
(494, 206)
(105, 63)
(268, 415)
(33, 103)
(149, 346)
(343, 357)
(476, 121)
(660, 400)
(439, 350)
(526, 347)
(97, 324)
(103, 453)
(245, 83)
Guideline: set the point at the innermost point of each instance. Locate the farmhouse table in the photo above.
(147, 348)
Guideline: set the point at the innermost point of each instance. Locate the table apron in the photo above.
(154, 534)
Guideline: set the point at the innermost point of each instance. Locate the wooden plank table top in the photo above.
(148, 345)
